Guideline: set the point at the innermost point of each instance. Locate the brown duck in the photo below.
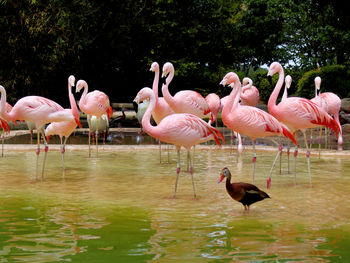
(245, 193)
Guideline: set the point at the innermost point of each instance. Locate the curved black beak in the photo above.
(136, 106)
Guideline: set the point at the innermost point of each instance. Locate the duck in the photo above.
(244, 193)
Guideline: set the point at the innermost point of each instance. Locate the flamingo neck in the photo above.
(73, 104)
(83, 96)
(3, 113)
(146, 119)
(165, 90)
(233, 99)
(271, 105)
(156, 83)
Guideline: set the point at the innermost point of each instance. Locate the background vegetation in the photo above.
(111, 44)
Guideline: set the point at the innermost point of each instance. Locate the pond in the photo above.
(119, 207)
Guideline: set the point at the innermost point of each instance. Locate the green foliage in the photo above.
(335, 78)
(111, 44)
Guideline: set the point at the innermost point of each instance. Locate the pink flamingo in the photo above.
(5, 128)
(250, 94)
(162, 108)
(93, 103)
(180, 129)
(297, 113)
(184, 101)
(38, 110)
(65, 128)
(250, 121)
(331, 103)
(214, 104)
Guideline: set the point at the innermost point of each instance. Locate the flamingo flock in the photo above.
(180, 119)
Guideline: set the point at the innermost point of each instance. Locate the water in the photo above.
(118, 207)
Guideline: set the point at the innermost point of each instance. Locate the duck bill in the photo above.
(221, 178)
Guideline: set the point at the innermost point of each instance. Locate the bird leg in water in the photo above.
(97, 125)
(191, 172)
(45, 154)
(307, 157)
(160, 151)
(89, 137)
(177, 170)
(319, 143)
(37, 153)
(254, 160)
(63, 151)
(288, 152)
(279, 153)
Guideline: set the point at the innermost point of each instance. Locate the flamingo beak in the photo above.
(221, 178)
(269, 78)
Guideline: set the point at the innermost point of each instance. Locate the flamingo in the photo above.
(65, 128)
(184, 101)
(214, 104)
(5, 128)
(238, 136)
(162, 108)
(250, 121)
(250, 94)
(297, 113)
(93, 103)
(331, 103)
(180, 129)
(288, 83)
(36, 109)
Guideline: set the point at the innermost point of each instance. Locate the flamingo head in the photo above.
(167, 68)
(71, 81)
(143, 94)
(229, 78)
(318, 83)
(154, 67)
(247, 81)
(288, 81)
(274, 68)
(225, 172)
(80, 84)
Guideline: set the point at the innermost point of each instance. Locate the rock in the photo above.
(345, 104)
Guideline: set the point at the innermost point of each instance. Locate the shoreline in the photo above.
(104, 147)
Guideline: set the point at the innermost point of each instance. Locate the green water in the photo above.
(119, 208)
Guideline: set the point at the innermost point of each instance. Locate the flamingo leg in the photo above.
(177, 170)
(37, 152)
(45, 154)
(191, 172)
(295, 158)
(308, 158)
(31, 136)
(319, 143)
(96, 134)
(279, 153)
(89, 137)
(63, 149)
(168, 153)
(160, 151)
(253, 160)
(239, 144)
(311, 139)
